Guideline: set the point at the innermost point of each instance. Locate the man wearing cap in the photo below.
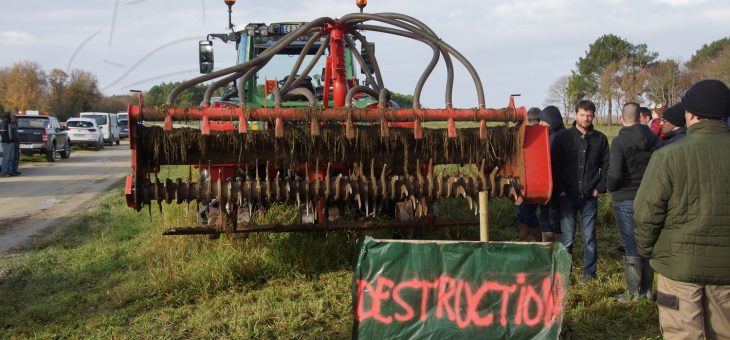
(527, 213)
(682, 216)
(630, 154)
(673, 124)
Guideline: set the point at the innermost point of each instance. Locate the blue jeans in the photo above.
(9, 156)
(550, 216)
(624, 212)
(588, 208)
(527, 214)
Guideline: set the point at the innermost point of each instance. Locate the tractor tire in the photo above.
(51, 154)
(66, 153)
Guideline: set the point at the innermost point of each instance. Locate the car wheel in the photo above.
(99, 145)
(51, 154)
(66, 153)
(118, 139)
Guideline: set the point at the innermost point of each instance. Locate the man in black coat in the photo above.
(673, 124)
(580, 159)
(630, 154)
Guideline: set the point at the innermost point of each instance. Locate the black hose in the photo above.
(426, 35)
(431, 65)
(309, 67)
(361, 61)
(359, 89)
(261, 59)
(300, 60)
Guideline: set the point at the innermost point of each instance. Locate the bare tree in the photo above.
(558, 95)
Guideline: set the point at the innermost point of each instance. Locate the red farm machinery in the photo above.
(329, 141)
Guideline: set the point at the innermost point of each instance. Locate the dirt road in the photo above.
(47, 195)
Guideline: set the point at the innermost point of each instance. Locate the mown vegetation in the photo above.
(112, 274)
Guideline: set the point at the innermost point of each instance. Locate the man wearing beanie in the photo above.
(551, 118)
(682, 216)
(673, 124)
(527, 213)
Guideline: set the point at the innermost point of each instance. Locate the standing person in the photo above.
(646, 115)
(655, 124)
(527, 213)
(682, 215)
(549, 213)
(630, 154)
(673, 124)
(580, 159)
(9, 132)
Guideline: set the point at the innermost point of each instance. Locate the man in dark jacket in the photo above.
(580, 160)
(673, 124)
(630, 154)
(550, 213)
(682, 216)
(9, 134)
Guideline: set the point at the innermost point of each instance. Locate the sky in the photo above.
(516, 46)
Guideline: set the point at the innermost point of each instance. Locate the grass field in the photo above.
(111, 274)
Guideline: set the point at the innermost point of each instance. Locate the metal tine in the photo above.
(374, 185)
(430, 178)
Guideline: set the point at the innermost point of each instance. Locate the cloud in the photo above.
(16, 37)
(680, 2)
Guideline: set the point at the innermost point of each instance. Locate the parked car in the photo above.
(84, 131)
(123, 124)
(42, 134)
(108, 124)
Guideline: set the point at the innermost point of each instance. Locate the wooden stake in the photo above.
(483, 217)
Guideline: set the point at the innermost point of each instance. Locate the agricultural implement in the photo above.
(339, 145)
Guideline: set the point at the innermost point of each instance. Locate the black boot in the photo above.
(632, 273)
(647, 280)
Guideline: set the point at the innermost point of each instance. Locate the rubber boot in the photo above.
(632, 273)
(548, 236)
(647, 280)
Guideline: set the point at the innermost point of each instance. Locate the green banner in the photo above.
(444, 289)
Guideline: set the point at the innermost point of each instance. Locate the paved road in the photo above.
(49, 194)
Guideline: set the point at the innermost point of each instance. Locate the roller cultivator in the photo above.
(335, 147)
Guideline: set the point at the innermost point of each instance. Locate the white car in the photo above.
(85, 131)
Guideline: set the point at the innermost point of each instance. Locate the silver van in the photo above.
(108, 124)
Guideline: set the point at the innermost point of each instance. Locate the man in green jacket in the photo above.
(682, 217)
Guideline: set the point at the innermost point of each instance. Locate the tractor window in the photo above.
(281, 65)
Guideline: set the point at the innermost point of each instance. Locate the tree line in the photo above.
(26, 86)
(614, 71)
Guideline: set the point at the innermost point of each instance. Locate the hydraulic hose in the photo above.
(359, 89)
(300, 60)
(425, 35)
(261, 59)
(298, 80)
(361, 61)
(431, 65)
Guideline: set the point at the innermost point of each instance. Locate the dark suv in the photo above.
(43, 134)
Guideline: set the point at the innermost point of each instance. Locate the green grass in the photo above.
(112, 274)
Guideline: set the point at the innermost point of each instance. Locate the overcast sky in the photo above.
(518, 46)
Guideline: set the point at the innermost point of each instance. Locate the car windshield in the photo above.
(100, 119)
(27, 122)
(79, 124)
